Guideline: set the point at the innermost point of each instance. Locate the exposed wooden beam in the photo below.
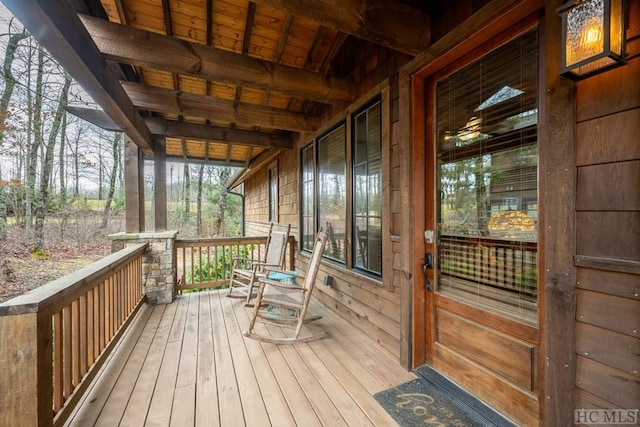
(176, 129)
(386, 22)
(189, 104)
(96, 117)
(57, 28)
(138, 47)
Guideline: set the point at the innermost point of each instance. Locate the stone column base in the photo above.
(158, 264)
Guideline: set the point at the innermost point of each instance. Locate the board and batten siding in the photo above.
(608, 233)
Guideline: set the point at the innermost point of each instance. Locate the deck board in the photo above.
(187, 363)
(206, 389)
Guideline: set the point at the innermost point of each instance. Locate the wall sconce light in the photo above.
(593, 37)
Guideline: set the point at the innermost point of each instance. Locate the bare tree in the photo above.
(223, 177)
(7, 74)
(187, 193)
(34, 146)
(47, 167)
(62, 163)
(10, 82)
(199, 201)
(117, 139)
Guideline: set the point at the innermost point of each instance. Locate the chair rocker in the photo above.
(286, 304)
(246, 271)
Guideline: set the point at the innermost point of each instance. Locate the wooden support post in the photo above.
(557, 168)
(160, 187)
(26, 358)
(134, 187)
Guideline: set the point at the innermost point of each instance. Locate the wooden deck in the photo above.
(187, 363)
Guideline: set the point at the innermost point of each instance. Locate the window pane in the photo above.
(307, 203)
(488, 194)
(332, 191)
(367, 190)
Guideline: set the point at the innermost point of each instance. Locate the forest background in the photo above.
(61, 178)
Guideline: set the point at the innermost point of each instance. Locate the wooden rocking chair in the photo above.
(286, 304)
(245, 271)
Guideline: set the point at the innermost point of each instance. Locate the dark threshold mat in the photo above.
(432, 400)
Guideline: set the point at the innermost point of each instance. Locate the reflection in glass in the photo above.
(332, 191)
(367, 190)
(486, 130)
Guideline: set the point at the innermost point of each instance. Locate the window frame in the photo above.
(381, 93)
(310, 145)
(274, 191)
(353, 217)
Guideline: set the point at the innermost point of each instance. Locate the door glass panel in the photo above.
(486, 135)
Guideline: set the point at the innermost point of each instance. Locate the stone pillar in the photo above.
(158, 265)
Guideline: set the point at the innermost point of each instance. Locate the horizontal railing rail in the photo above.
(207, 263)
(54, 339)
(503, 271)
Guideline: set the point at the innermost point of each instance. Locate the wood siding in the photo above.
(608, 233)
(372, 305)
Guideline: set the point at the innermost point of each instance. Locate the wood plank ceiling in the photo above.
(229, 81)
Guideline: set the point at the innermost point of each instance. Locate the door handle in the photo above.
(428, 265)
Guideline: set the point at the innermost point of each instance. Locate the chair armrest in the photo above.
(249, 263)
(245, 259)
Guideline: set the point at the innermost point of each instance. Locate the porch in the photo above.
(187, 363)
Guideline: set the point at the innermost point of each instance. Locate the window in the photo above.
(332, 191)
(307, 194)
(273, 192)
(486, 135)
(367, 190)
(341, 190)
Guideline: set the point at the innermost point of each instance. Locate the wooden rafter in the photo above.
(177, 129)
(173, 128)
(248, 28)
(57, 28)
(317, 42)
(189, 104)
(138, 47)
(281, 45)
(389, 23)
(166, 11)
(97, 117)
(283, 38)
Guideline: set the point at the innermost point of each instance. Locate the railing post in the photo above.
(292, 255)
(27, 368)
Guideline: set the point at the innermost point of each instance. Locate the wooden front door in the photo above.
(482, 220)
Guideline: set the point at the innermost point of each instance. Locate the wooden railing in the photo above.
(500, 270)
(54, 339)
(206, 263)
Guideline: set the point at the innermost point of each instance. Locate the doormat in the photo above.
(432, 400)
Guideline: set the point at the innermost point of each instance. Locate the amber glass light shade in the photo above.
(593, 33)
